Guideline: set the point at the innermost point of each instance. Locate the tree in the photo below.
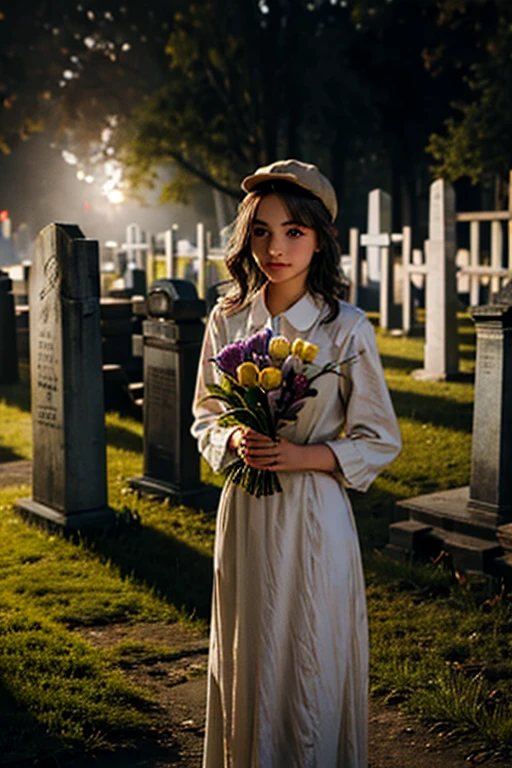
(477, 142)
(70, 66)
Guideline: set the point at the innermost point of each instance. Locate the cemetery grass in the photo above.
(440, 645)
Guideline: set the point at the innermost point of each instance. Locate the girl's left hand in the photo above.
(261, 452)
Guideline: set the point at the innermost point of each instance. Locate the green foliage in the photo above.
(56, 683)
(476, 143)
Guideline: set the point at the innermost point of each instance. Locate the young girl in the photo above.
(288, 670)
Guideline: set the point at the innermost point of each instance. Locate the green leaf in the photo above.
(239, 416)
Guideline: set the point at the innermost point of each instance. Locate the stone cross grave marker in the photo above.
(383, 242)
(136, 247)
(379, 221)
(441, 350)
(69, 478)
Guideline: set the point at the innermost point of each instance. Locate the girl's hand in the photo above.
(261, 452)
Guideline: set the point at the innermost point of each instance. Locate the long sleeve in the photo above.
(212, 439)
(371, 437)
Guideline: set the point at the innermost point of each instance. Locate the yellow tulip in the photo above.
(248, 375)
(279, 348)
(297, 347)
(309, 352)
(270, 378)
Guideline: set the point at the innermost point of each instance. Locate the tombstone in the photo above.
(491, 458)
(173, 337)
(136, 246)
(8, 352)
(24, 243)
(69, 477)
(202, 255)
(171, 249)
(120, 262)
(474, 524)
(379, 221)
(135, 281)
(7, 252)
(441, 349)
(462, 258)
(20, 274)
(355, 268)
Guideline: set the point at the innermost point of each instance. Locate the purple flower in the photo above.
(300, 386)
(262, 361)
(231, 357)
(258, 343)
(291, 365)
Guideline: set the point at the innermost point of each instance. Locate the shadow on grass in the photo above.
(16, 394)
(401, 363)
(431, 409)
(176, 571)
(22, 737)
(7, 454)
(374, 511)
(122, 437)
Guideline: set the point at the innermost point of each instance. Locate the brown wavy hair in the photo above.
(325, 277)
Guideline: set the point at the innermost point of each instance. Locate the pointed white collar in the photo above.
(301, 315)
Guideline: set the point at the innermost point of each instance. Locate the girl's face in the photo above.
(282, 248)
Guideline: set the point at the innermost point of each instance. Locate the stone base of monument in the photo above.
(86, 521)
(447, 521)
(204, 497)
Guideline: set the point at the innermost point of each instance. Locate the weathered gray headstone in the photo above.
(441, 349)
(69, 478)
(173, 336)
(491, 464)
(8, 351)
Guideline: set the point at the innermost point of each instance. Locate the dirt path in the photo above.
(395, 739)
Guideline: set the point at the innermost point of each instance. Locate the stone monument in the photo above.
(441, 349)
(69, 477)
(8, 351)
(474, 523)
(172, 338)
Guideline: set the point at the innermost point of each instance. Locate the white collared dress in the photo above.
(288, 665)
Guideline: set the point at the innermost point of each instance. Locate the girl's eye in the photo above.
(294, 232)
(259, 232)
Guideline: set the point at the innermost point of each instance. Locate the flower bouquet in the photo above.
(265, 381)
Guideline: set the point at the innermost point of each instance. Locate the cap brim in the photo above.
(250, 182)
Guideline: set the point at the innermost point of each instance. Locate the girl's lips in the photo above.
(275, 265)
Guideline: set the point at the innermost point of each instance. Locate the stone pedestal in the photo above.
(172, 338)
(8, 351)
(474, 524)
(69, 478)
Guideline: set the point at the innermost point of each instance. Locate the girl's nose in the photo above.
(274, 246)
